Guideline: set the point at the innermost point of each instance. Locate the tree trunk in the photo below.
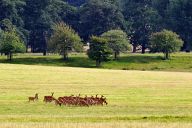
(26, 49)
(9, 56)
(98, 63)
(143, 48)
(166, 55)
(44, 53)
(115, 56)
(65, 55)
(134, 48)
(187, 48)
(187, 44)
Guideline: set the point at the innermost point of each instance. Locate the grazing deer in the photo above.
(57, 102)
(49, 98)
(33, 98)
(103, 100)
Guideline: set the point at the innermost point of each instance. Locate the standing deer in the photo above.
(49, 98)
(33, 98)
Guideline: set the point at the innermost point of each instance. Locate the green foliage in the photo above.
(76, 2)
(33, 19)
(11, 43)
(99, 50)
(10, 9)
(180, 20)
(6, 25)
(40, 16)
(64, 39)
(143, 20)
(99, 16)
(117, 41)
(166, 42)
(180, 62)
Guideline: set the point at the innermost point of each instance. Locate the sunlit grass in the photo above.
(97, 125)
(178, 62)
(133, 96)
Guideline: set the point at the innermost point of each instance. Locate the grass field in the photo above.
(136, 98)
(153, 62)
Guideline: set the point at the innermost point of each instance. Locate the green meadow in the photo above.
(138, 99)
(179, 62)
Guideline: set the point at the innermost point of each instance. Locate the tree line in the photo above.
(34, 21)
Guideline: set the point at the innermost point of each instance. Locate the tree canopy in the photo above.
(117, 41)
(11, 43)
(34, 19)
(64, 39)
(99, 51)
(166, 42)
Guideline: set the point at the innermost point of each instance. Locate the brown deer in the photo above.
(57, 102)
(33, 98)
(49, 98)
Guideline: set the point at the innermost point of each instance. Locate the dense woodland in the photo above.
(33, 20)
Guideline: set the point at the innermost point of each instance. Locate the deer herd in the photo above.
(73, 100)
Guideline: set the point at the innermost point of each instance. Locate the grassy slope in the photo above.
(179, 62)
(132, 95)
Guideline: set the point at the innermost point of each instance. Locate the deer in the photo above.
(33, 98)
(57, 102)
(49, 98)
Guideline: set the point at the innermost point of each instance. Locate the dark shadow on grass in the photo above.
(142, 59)
(52, 61)
(84, 61)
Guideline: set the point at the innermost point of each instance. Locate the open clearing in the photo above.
(136, 98)
(180, 62)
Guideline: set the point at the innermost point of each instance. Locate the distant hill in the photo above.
(76, 2)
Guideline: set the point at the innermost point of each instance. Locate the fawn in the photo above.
(33, 98)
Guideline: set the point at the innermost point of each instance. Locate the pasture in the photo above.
(136, 98)
(144, 62)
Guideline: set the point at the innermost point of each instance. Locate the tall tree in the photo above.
(11, 43)
(99, 50)
(10, 9)
(143, 19)
(117, 41)
(38, 21)
(98, 16)
(12, 12)
(40, 16)
(76, 2)
(166, 42)
(180, 20)
(64, 39)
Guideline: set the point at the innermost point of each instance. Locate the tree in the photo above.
(117, 41)
(166, 42)
(99, 16)
(10, 9)
(12, 15)
(143, 20)
(11, 43)
(6, 25)
(39, 16)
(76, 2)
(180, 20)
(63, 39)
(99, 50)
